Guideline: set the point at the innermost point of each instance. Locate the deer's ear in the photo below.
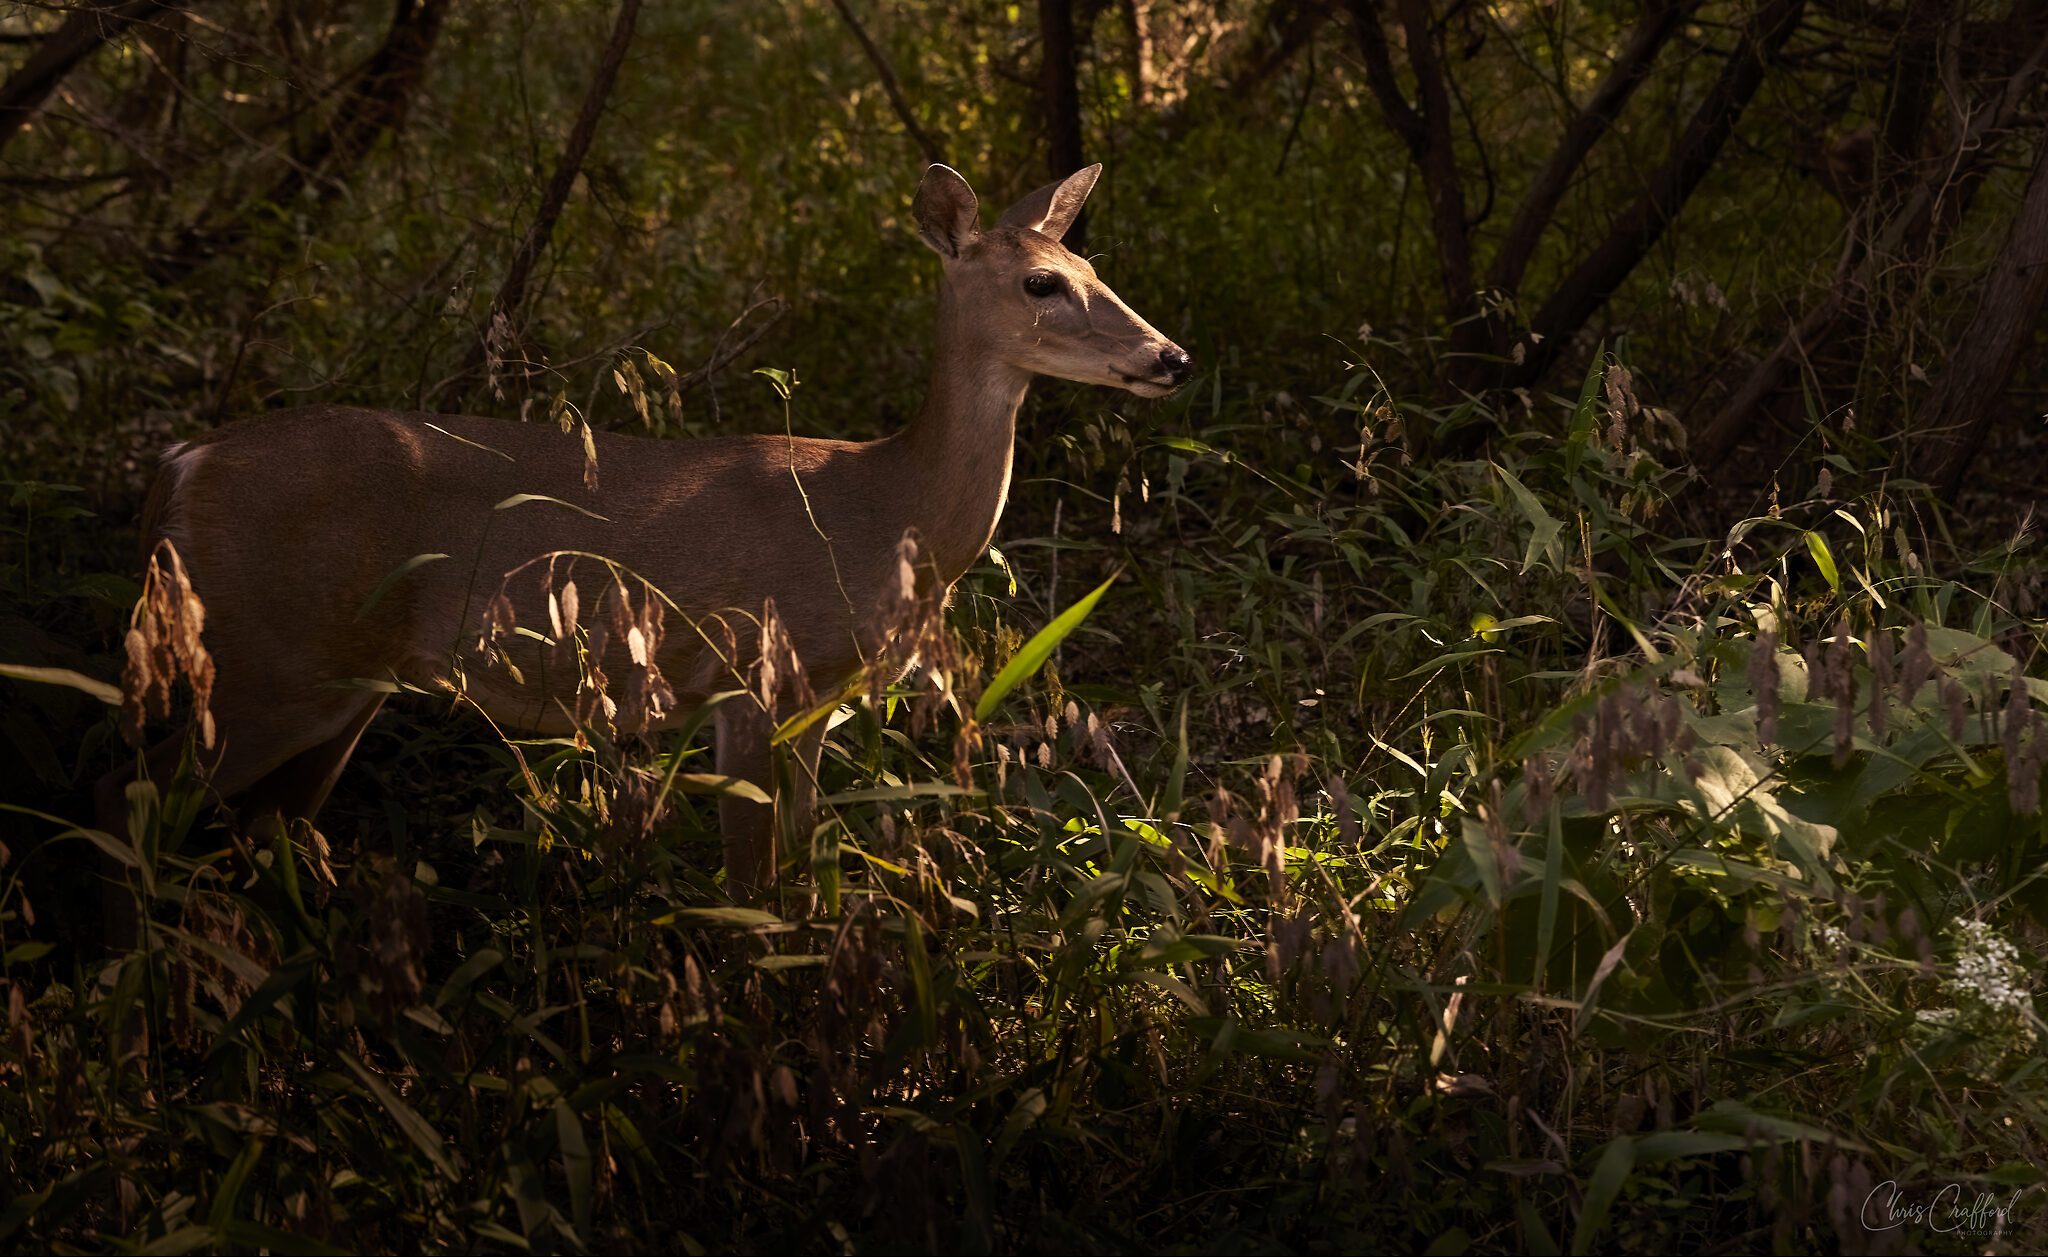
(1053, 208)
(948, 216)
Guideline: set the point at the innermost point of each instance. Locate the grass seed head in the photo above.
(1763, 683)
(1916, 664)
(163, 644)
(1881, 680)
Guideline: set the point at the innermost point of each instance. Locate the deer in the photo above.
(305, 534)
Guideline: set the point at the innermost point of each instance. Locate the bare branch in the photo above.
(1592, 120)
(890, 86)
(82, 34)
(1964, 405)
(1379, 76)
(1638, 229)
(512, 292)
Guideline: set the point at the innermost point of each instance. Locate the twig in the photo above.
(891, 87)
(512, 293)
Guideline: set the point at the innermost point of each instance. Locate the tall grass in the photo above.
(1398, 854)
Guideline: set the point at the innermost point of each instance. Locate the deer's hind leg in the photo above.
(298, 788)
(752, 856)
(283, 756)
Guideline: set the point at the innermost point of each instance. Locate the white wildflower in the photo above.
(1990, 989)
(1830, 940)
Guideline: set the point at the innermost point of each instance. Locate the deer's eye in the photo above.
(1041, 285)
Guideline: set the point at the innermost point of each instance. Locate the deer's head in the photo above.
(1018, 295)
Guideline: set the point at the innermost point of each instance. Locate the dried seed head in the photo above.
(1880, 680)
(1340, 807)
(1622, 405)
(163, 644)
(1916, 665)
(1539, 784)
(1841, 668)
(1816, 671)
(1763, 682)
(18, 1026)
(2016, 715)
(2026, 748)
(392, 943)
(1955, 702)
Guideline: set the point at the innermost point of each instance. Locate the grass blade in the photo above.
(1035, 652)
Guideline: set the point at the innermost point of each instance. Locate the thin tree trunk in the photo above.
(1965, 404)
(376, 101)
(1924, 216)
(1138, 29)
(89, 26)
(1061, 88)
(890, 86)
(1426, 128)
(1637, 231)
(506, 307)
(1539, 205)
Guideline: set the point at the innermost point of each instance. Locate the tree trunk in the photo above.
(1965, 403)
(506, 307)
(1061, 88)
(88, 27)
(1539, 205)
(1917, 222)
(1637, 231)
(891, 87)
(1426, 128)
(375, 102)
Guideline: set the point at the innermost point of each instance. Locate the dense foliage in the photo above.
(1379, 798)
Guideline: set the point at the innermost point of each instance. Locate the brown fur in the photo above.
(291, 522)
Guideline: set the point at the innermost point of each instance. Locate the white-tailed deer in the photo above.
(305, 532)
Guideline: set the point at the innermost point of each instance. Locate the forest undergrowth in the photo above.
(1285, 846)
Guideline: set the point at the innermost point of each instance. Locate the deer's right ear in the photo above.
(948, 215)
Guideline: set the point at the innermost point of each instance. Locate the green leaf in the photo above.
(246, 1237)
(1035, 652)
(1824, 559)
(392, 577)
(576, 1163)
(1544, 528)
(1673, 1145)
(723, 787)
(521, 499)
(908, 790)
(407, 1117)
(468, 972)
(108, 694)
(729, 918)
(1617, 1162)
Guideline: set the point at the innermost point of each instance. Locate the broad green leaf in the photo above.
(1028, 660)
(1544, 528)
(1610, 1175)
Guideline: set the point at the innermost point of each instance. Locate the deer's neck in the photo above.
(957, 451)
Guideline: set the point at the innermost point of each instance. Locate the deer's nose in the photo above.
(1177, 363)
